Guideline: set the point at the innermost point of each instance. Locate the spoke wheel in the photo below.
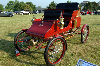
(54, 51)
(84, 33)
(21, 41)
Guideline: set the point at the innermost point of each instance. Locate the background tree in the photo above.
(80, 6)
(27, 7)
(52, 5)
(92, 6)
(31, 5)
(98, 8)
(68, 1)
(17, 6)
(1, 7)
(10, 5)
(95, 5)
(16, 1)
(21, 6)
(39, 6)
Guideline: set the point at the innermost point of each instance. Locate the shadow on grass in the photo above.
(30, 63)
(8, 47)
(74, 41)
(5, 16)
(11, 34)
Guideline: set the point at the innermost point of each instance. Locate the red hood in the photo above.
(37, 30)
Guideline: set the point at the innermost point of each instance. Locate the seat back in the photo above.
(68, 11)
(52, 14)
(68, 8)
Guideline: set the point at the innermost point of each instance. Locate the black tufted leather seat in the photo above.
(55, 14)
(68, 8)
(52, 14)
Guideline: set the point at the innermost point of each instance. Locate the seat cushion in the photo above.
(71, 6)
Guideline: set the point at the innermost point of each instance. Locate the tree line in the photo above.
(16, 6)
(92, 6)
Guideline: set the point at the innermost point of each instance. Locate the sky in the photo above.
(44, 3)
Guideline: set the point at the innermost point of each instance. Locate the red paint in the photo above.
(18, 54)
(50, 27)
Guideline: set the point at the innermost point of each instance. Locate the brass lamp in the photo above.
(33, 18)
(62, 23)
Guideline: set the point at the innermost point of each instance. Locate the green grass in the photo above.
(89, 51)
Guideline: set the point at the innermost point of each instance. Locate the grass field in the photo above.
(89, 51)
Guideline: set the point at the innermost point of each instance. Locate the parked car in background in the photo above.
(98, 12)
(25, 11)
(31, 12)
(94, 12)
(88, 12)
(8, 14)
(16, 12)
(36, 12)
(83, 13)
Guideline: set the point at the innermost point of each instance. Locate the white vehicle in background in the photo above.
(26, 11)
(98, 12)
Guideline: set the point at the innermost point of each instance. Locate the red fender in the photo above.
(24, 30)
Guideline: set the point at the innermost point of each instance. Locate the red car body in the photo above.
(50, 27)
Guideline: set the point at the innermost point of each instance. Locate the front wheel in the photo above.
(10, 15)
(29, 14)
(21, 41)
(54, 51)
(84, 33)
(22, 13)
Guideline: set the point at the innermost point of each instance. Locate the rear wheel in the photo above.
(84, 33)
(10, 15)
(29, 13)
(54, 51)
(21, 41)
(22, 13)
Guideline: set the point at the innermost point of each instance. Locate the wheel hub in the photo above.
(32, 42)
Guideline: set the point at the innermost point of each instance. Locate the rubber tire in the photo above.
(82, 34)
(46, 50)
(10, 15)
(22, 13)
(15, 39)
(28, 13)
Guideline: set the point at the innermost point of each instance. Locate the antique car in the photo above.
(16, 12)
(6, 14)
(50, 33)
